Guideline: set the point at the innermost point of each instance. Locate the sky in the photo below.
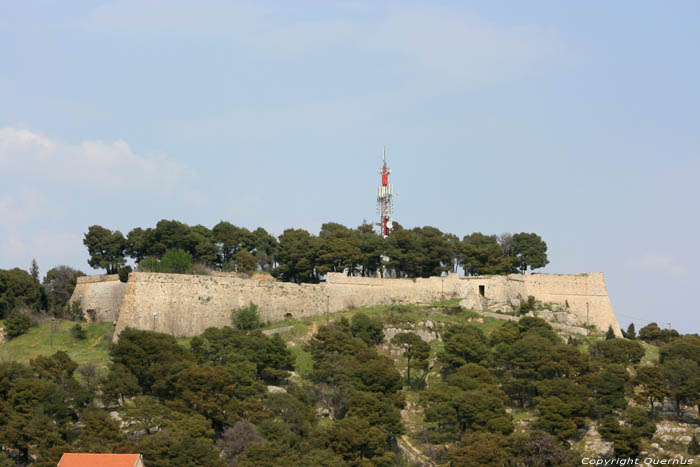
(579, 121)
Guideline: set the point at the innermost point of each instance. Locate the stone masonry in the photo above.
(185, 305)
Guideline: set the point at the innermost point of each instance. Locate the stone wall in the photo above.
(185, 305)
(100, 296)
(583, 295)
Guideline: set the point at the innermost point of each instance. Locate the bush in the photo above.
(149, 264)
(527, 306)
(78, 332)
(621, 351)
(175, 261)
(247, 318)
(370, 330)
(17, 324)
(124, 273)
(75, 312)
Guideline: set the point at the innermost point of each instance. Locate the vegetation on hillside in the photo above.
(487, 392)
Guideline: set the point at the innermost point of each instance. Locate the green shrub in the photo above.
(17, 324)
(527, 306)
(149, 264)
(370, 330)
(78, 332)
(247, 318)
(75, 312)
(175, 261)
(124, 273)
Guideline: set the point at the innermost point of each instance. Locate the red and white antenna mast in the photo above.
(384, 198)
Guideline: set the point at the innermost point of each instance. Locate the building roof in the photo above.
(72, 459)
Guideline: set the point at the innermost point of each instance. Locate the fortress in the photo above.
(185, 305)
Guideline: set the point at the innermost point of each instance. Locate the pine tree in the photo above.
(631, 333)
(34, 270)
(610, 334)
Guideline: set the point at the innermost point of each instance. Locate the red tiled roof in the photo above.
(71, 459)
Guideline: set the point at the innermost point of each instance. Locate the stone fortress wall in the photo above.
(185, 305)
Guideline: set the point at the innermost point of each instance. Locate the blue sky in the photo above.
(576, 120)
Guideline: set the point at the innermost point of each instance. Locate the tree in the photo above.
(370, 330)
(631, 334)
(139, 243)
(119, 384)
(608, 387)
(176, 261)
(245, 261)
(481, 254)
(236, 438)
(537, 448)
(59, 283)
(34, 271)
(481, 449)
(106, 248)
(610, 334)
(682, 379)
(247, 318)
(653, 334)
(356, 441)
(145, 414)
(297, 256)
(620, 351)
(17, 324)
(100, 433)
(338, 249)
(18, 288)
(371, 249)
(653, 387)
(266, 248)
(463, 344)
(529, 251)
(416, 350)
(687, 346)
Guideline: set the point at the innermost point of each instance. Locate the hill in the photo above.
(335, 390)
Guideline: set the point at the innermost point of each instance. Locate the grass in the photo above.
(302, 360)
(38, 341)
(651, 354)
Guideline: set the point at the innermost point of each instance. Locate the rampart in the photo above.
(185, 305)
(100, 296)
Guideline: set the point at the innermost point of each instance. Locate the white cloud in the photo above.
(30, 156)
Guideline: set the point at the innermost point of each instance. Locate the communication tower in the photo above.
(385, 193)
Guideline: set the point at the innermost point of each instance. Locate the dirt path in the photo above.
(413, 452)
(312, 331)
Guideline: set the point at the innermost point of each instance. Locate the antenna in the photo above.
(385, 193)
